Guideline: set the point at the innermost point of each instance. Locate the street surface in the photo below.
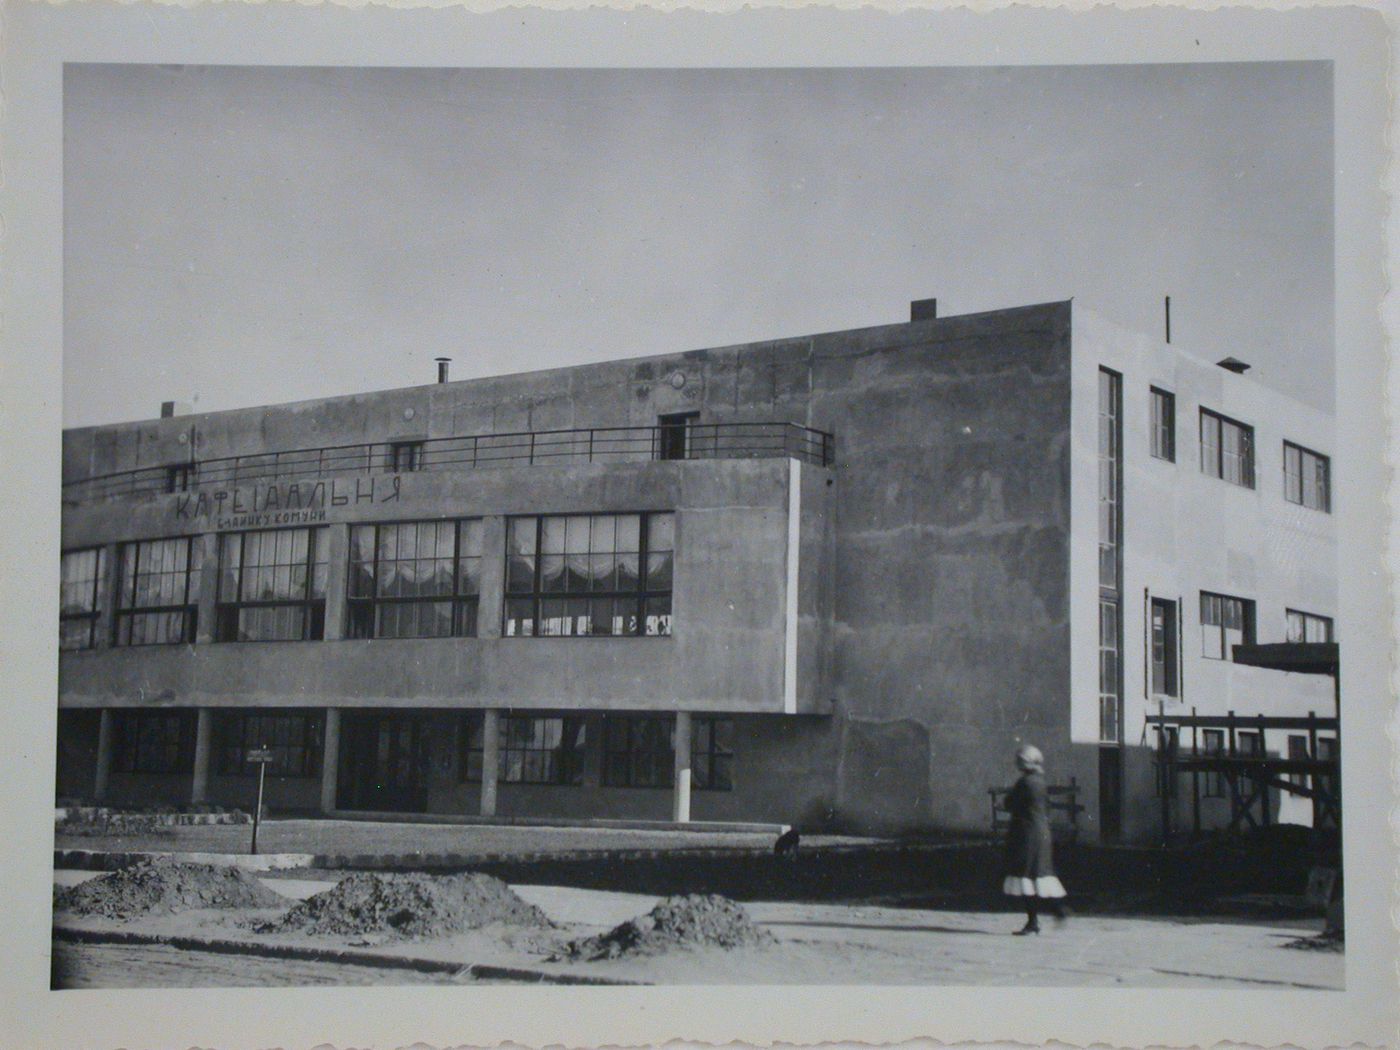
(816, 944)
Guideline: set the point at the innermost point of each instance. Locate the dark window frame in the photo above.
(362, 612)
(560, 773)
(1163, 424)
(673, 434)
(1305, 618)
(1213, 463)
(313, 618)
(1248, 621)
(405, 457)
(1170, 647)
(235, 742)
(1322, 481)
(93, 612)
(123, 615)
(711, 762)
(179, 477)
(643, 599)
(130, 756)
(1213, 743)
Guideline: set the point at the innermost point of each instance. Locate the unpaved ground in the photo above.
(158, 966)
(362, 837)
(851, 944)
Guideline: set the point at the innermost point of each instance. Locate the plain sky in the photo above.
(237, 236)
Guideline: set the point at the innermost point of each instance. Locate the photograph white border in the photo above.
(39, 38)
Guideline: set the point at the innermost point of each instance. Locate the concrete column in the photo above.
(203, 732)
(490, 609)
(330, 758)
(490, 759)
(206, 620)
(337, 569)
(106, 596)
(680, 811)
(104, 756)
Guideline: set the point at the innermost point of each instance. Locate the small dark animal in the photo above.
(787, 844)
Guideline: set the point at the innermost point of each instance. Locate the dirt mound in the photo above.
(409, 905)
(163, 886)
(689, 921)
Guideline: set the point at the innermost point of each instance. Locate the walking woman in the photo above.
(1030, 867)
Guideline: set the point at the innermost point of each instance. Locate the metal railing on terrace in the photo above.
(591, 445)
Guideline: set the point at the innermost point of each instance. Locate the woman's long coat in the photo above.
(1028, 850)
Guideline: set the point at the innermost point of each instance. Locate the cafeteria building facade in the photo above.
(830, 581)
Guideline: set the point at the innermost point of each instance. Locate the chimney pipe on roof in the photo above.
(170, 409)
(923, 310)
(442, 363)
(1169, 318)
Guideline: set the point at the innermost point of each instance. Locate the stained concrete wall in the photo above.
(727, 652)
(932, 611)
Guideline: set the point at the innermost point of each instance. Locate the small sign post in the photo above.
(262, 756)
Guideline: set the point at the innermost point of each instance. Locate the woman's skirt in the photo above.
(1044, 886)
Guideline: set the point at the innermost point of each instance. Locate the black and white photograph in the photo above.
(616, 526)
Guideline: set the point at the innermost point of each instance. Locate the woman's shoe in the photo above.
(1030, 927)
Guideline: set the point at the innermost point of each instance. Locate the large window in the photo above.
(1306, 477)
(1225, 623)
(590, 575)
(154, 742)
(1227, 449)
(1163, 425)
(272, 586)
(80, 597)
(639, 751)
(415, 579)
(1306, 627)
(158, 596)
(293, 738)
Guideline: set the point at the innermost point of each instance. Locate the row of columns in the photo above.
(330, 760)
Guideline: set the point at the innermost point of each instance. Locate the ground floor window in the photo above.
(1213, 743)
(639, 751)
(154, 742)
(293, 739)
(532, 749)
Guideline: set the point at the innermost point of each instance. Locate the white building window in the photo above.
(1307, 627)
(1225, 623)
(1307, 477)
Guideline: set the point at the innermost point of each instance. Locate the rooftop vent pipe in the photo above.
(1234, 364)
(442, 363)
(169, 409)
(923, 310)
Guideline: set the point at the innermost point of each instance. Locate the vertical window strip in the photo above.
(1110, 556)
(80, 584)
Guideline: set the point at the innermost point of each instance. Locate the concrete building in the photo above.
(831, 580)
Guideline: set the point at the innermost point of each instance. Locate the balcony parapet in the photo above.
(772, 440)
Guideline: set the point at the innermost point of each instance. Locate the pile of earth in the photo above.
(689, 921)
(162, 886)
(409, 905)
